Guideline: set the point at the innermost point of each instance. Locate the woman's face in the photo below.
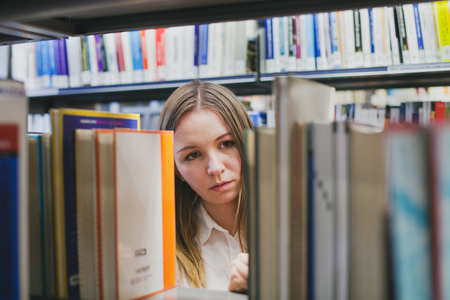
(207, 157)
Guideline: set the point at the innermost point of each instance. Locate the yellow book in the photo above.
(64, 124)
(443, 20)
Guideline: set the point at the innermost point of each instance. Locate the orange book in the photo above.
(144, 212)
(144, 50)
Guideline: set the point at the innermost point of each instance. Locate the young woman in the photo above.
(208, 123)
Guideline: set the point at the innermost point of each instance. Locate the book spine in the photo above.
(85, 62)
(64, 64)
(196, 51)
(55, 64)
(93, 62)
(292, 47)
(298, 47)
(160, 44)
(403, 35)
(394, 37)
(75, 63)
(144, 52)
(45, 64)
(151, 54)
(419, 33)
(109, 40)
(359, 56)
(310, 42)
(10, 272)
(138, 70)
(270, 63)
(127, 56)
(387, 49)
(413, 45)
(443, 21)
(203, 64)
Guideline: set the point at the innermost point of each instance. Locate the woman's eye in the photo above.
(192, 156)
(227, 144)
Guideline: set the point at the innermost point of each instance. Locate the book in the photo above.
(14, 110)
(252, 213)
(409, 209)
(47, 212)
(342, 209)
(64, 123)
(267, 209)
(38, 284)
(299, 211)
(160, 43)
(440, 137)
(293, 103)
(367, 213)
(10, 220)
(443, 22)
(324, 210)
(145, 214)
(86, 212)
(104, 144)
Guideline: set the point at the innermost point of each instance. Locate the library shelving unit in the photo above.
(39, 20)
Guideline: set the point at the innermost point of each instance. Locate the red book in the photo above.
(439, 112)
(120, 59)
(161, 53)
(144, 50)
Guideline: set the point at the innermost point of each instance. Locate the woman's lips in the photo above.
(221, 186)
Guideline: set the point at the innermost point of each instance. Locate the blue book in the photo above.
(69, 120)
(418, 26)
(9, 212)
(372, 36)
(409, 213)
(46, 64)
(203, 65)
(53, 62)
(196, 46)
(317, 37)
(136, 51)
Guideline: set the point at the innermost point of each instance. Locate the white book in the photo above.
(106, 214)
(349, 33)
(342, 227)
(327, 36)
(229, 44)
(150, 38)
(300, 63)
(387, 50)
(276, 44)
(93, 60)
(412, 34)
(324, 209)
(395, 48)
(240, 48)
(172, 63)
(111, 57)
(365, 35)
(292, 47)
(74, 61)
(139, 214)
(378, 57)
(18, 63)
(215, 47)
(321, 61)
(188, 54)
(4, 61)
(127, 76)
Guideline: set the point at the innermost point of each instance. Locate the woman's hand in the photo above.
(239, 273)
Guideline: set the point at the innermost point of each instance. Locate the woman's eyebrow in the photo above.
(221, 136)
(186, 148)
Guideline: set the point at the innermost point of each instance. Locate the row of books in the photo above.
(188, 52)
(361, 38)
(72, 226)
(361, 212)
(422, 113)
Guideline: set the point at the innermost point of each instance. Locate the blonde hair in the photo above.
(198, 95)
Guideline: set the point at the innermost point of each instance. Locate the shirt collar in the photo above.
(206, 225)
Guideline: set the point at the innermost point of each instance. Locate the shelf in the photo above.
(420, 75)
(48, 19)
(240, 85)
(179, 293)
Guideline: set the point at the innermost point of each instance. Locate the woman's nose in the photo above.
(215, 165)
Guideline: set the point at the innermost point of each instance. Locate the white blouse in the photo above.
(218, 249)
